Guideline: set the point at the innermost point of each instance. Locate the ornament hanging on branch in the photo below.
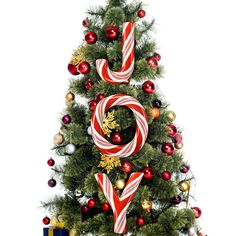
(84, 67)
(46, 220)
(85, 209)
(157, 103)
(172, 130)
(90, 37)
(171, 115)
(152, 62)
(73, 69)
(141, 13)
(70, 149)
(126, 167)
(184, 186)
(52, 183)
(58, 139)
(66, 119)
(184, 169)
(147, 205)
(197, 212)
(157, 56)
(88, 84)
(148, 87)
(109, 123)
(92, 105)
(100, 97)
(85, 22)
(154, 113)
(106, 206)
(91, 203)
(120, 184)
(148, 173)
(167, 148)
(117, 138)
(166, 175)
(140, 221)
(109, 163)
(51, 162)
(70, 97)
(113, 32)
(176, 200)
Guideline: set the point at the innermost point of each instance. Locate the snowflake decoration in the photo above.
(109, 123)
(109, 163)
(78, 55)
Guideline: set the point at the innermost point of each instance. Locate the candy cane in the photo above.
(120, 204)
(127, 59)
(140, 137)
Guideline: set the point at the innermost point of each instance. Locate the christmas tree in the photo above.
(124, 171)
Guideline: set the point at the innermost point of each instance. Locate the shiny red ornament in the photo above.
(148, 87)
(91, 203)
(46, 220)
(184, 169)
(197, 211)
(106, 206)
(166, 175)
(140, 221)
(153, 62)
(88, 84)
(167, 148)
(176, 200)
(52, 183)
(148, 173)
(112, 32)
(85, 22)
(73, 69)
(117, 138)
(172, 130)
(51, 162)
(66, 119)
(178, 139)
(92, 105)
(157, 56)
(84, 67)
(100, 97)
(126, 167)
(91, 37)
(141, 13)
(84, 209)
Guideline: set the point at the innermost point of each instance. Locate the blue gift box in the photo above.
(55, 232)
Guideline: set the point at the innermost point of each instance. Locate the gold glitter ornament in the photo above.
(78, 55)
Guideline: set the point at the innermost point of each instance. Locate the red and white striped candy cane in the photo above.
(127, 59)
(120, 204)
(140, 137)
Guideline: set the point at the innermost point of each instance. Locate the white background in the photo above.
(197, 44)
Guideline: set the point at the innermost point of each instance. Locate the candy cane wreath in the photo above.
(140, 137)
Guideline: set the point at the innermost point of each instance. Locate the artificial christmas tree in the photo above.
(124, 172)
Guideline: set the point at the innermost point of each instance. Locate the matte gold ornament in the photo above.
(120, 184)
(171, 115)
(179, 145)
(72, 232)
(70, 97)
(147, 205)
(154, 112)
(58, 139)
(184, 186)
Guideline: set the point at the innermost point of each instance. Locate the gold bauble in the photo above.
(58, 139)
(147, 205)
(184, 186)
(72, 232)
(179, 145)
(70, 97)
(120, 184)
(154, 112)
(171, 115)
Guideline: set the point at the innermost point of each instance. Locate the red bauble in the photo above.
(167, 148)
(197, 211)
(66, 119)
(84, 209)
(91, 37)
(141, 13)
(178, 139)
(117, 138)
(166, 175)
(148, 87)
(106, 206)
(176, 200)
(112, 32)
(88, 84)
(52, 183)
(140, 221)
(92, 105)
(51, 162)
(73, 69)
(148, 173)
(91, 203)
(184, 169)
(153, 62)
(85, 22)
(100, 97)
(46, 220)
(126, 167)
(84, 67)
(172, 130)
(157, 56)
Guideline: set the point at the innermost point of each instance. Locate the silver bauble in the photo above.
(70, 149)
(89, 130)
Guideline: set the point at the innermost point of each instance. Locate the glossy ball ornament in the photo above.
(140, 221)
(85, 209)
(73, 69)
(178, 138)
(148, 87)
(88, 84)
(147, 205)
(70, 149)
(176, 200)
(91, 203)
(51, 162)
(70, 97)
(117, 138)
(84, 67)
(179, 146)
(106, 206)
(153, 62)
(171, 115)
(58, 139)
(120, 184)
(66, 119)
(89, 130)
(141, 13)
(172, 130)
(46, 220)
(148, 173)
(85, 22)
(184, 186)
(92, 105)
(126, 167)
(52, 183)
(166, 175)
(197, 211)
(154, 112)
(100, 97)
(157, 103)
(184, 169)
(90, 37)
(167, 148)
(112, 32)
(157, 56)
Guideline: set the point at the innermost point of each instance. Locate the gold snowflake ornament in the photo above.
(109, 123)
(78, 55)
(109, 163)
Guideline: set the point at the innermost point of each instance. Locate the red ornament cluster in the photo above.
(73, 69)
(172, 130)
